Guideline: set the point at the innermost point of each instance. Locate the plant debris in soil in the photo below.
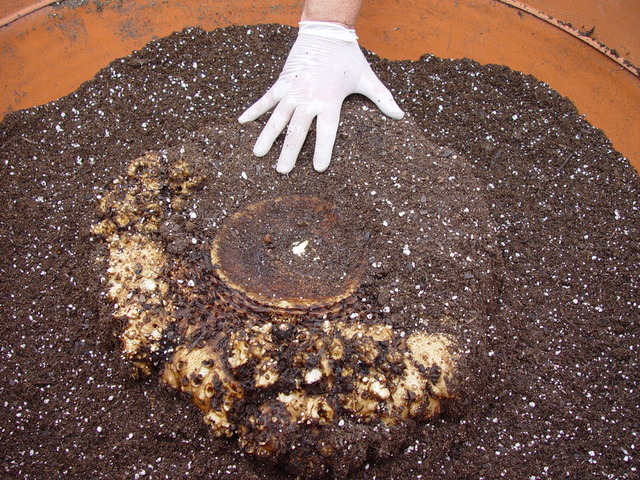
(556, 340)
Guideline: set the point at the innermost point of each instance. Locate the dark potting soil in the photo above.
(556, 387)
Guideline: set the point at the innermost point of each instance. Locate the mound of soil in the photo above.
(431, 272)
(555, 389)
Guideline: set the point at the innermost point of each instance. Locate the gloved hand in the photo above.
(325, 66)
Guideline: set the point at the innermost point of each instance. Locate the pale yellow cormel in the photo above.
(430, 350)
(305, 408)
(132, 209)
(197, 371)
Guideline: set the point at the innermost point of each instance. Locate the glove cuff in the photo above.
(327, 30)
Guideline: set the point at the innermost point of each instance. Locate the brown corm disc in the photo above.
(291, 252)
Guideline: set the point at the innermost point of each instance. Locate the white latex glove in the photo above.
(325, 66)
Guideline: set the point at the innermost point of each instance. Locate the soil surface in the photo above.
(551, 299)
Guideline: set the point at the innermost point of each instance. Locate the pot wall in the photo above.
(50, 50)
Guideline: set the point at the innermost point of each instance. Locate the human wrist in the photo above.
(341, 12)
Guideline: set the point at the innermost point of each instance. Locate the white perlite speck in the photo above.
(300, 247)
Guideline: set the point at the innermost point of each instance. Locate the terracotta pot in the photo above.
(48, 51)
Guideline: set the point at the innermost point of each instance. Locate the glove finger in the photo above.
(296, 134)
(274, 127)
(263, 105)
(327, 128)
(371, 87)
